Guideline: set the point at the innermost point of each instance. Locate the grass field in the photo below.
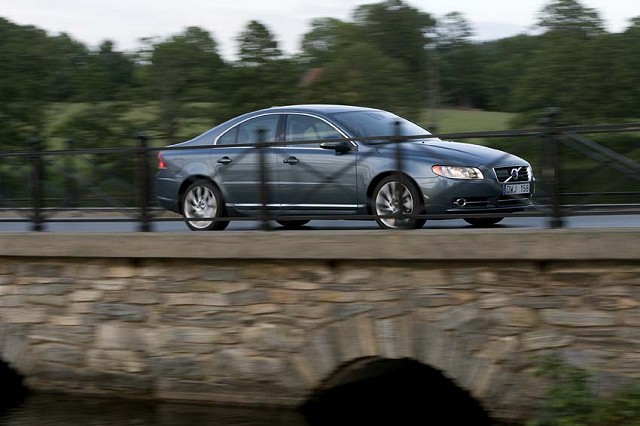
(141, 115)
(466, 120)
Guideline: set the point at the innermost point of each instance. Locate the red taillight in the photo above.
(161, 163)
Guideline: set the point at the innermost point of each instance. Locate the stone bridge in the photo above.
(269, 318)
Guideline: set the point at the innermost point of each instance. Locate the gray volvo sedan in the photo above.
(340, 161)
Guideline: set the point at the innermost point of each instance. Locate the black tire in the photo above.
(292, 224)
(483, 221)
(389, 196)
(203, 200)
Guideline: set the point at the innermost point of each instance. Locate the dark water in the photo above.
(64, 410)
(386, 392)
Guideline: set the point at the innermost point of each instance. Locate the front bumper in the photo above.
(452, 196)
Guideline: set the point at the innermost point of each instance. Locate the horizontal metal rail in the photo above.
(549, 138)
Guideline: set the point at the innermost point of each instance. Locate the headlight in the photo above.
(455, 172)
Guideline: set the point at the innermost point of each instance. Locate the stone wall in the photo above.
(270, 331)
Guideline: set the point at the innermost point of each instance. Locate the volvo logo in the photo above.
(514, 173)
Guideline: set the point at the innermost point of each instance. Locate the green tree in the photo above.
(257, 45)
(570, 65)
(459, 63)
(261, 77)
(399, 31)
(109, 74)
(344, 67)
(570, 16)
(27, 57)
(66, 77)
(504, 62)
(185, 68)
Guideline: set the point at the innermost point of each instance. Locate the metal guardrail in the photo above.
(134, 199)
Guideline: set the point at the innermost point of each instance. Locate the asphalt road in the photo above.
(575, 222)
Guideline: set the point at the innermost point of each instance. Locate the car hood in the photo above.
(463, 154)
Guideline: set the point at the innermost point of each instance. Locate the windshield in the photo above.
(367, 124)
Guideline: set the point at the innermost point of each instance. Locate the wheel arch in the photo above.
(378, 178)
(187, 182)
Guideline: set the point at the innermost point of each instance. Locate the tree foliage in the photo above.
(388, 55)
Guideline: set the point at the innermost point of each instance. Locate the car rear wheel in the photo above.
(292, 224)
(483, 221)
(395, 201)
(202, 204)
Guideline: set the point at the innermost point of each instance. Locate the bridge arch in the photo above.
(15, 365)
(486, 368)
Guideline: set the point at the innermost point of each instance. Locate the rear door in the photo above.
(238, 167)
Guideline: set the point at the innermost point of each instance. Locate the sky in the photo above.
(126, 21)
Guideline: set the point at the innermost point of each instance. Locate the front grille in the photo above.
(506, 174)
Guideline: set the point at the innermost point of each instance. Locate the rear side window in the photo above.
(248, 131)
(229, 138)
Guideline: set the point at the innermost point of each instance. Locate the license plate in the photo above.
(516, 188)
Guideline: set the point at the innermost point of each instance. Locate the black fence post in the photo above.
(400, 215)
(264, 189)
(37, 181)
(144, 186)
(552, 169)
(71, 189)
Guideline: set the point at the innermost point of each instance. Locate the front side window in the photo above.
(302, 128)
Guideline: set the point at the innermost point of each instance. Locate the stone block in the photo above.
(12, 301)
(59, 301)
(118, 335)
(202, 299)
(269, 337)
(143, 297)
(18, 315)
(544, 339)
(180, 367)
(336, 296)
(301, 285)
(120, 271)
(249, 297)
(86, 295)
(457, 317)
(220, 274)
(77, 335)
(115, 361)
(515, 316)
(52, 289)
(113, 284)
(120, 311)
(355, 338)
(393, 337)
(262, 309)
(577, 317)
(61, 354)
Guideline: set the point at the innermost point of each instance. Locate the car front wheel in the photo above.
(202, 204)
(395, 201)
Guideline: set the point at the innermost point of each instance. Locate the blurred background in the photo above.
(388, 54)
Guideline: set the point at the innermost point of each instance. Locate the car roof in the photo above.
(318, 108)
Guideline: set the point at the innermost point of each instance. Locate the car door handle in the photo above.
(291, 160)
(225, 160)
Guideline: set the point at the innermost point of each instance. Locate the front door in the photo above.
(312, 179)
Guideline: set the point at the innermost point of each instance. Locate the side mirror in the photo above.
(339, 147)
